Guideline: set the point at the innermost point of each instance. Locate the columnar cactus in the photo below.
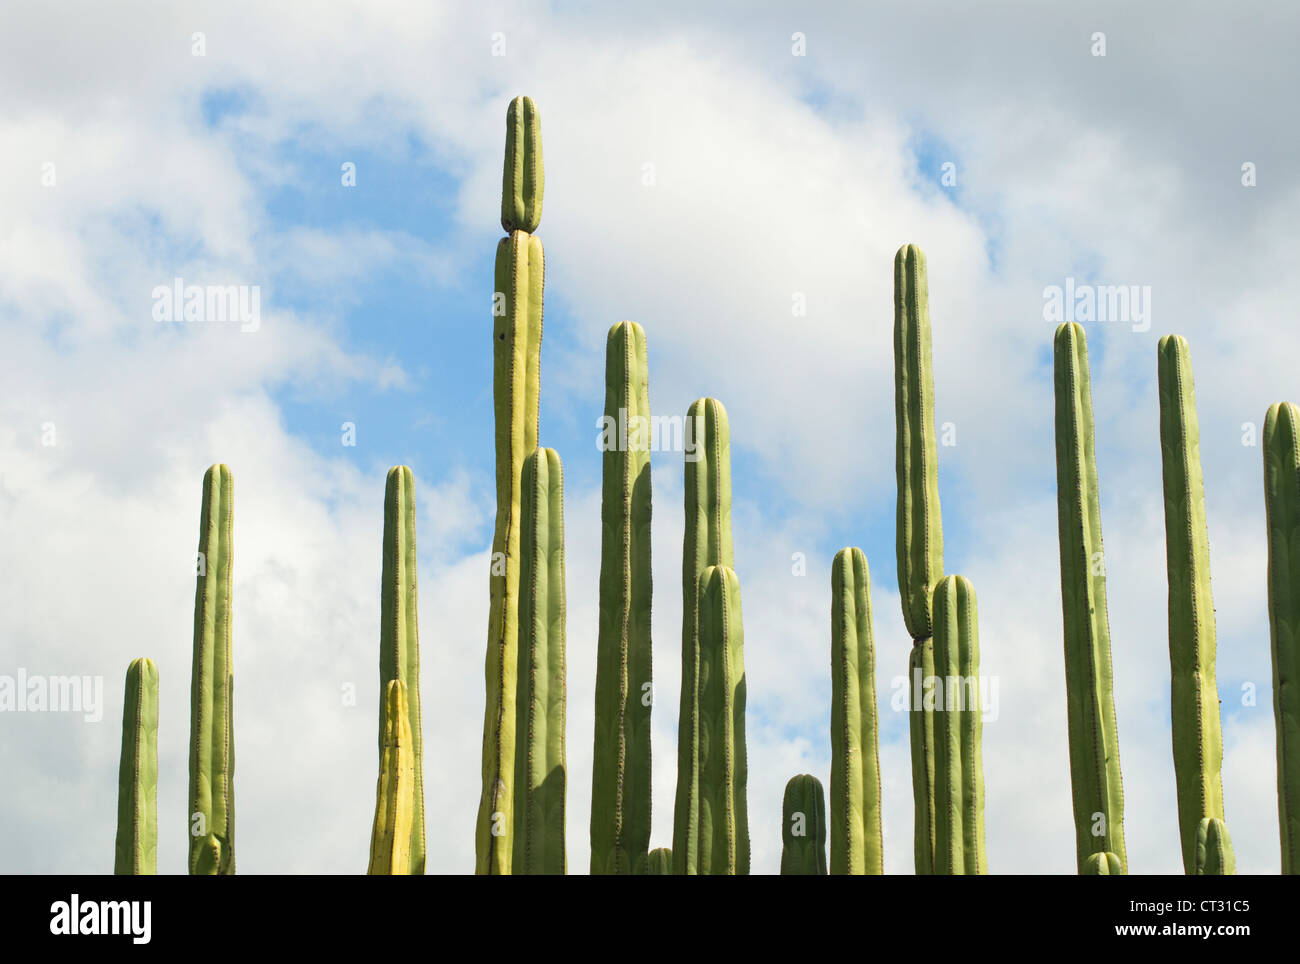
(1197, 738)
(540, 773)
(1282, 502)
(620, 790)
(1101, 864)
(723, 821)
(1094, 740)
(920, 531)
(212, 750)
(395, 803)
(857, 839)
(399, 637)
(958, 764)
(136, 850)
(707, 543)
(516, 340)
(1214, 857)
(659, 862)
(803, 827)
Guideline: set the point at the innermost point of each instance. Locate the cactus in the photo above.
(1197, 738)
(723, 821)
(857, 840)
(1100, 864)
(1214, 857)
(1094, 741)
(540, 774)
(803, 827)
(958, 762)
(1282, 504)
(211, 821)
(707, 542)
(393, 834)
(136, 850)
(517, 340)
(920, 530)
(399, 638)
(659, 862)
(620, 792)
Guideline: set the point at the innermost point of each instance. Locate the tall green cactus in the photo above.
(540, 773)
(857, 839)
(723, 841)
(517, 341)
(1282, 503)
(399, 635)
(620, 787)
(392, 834)
(707, 542)
(803, 827)
(959, 763)
(920, 530)
(136, 850)
(212, 749)
(1197, 737)
(1094, 741)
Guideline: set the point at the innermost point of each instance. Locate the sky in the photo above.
(710, 171)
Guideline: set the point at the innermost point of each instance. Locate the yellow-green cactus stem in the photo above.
(620, 785)
(1282, 504)
(523, 178)
(540, 774)
(857, 838)
(211, 822)
(1197, 737)
(1214, 857)
(723, 809)
(803, 827)
(517, 341)
(1094, 740)
(391, 835)
(1101, 864)
(659, 862)
(707, 542)
(136, 850)
(399, 634)
(920, 530)
(958, 722)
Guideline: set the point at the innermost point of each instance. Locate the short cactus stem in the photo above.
(659, 862)
(803, 827)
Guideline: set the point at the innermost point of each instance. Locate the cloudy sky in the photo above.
(702, 180)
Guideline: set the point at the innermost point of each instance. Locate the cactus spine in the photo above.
(707, 542)
(1282, 503)
(516, 340)
(540, 774)
(393, 835)
(857, 840)
(920, 531)
(803, 827)
(959, 766)
(399, 638)
(620, 794)
(211, 821)
(1094, 741)
(136, 850)
(723, 821)
(1197, 738)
